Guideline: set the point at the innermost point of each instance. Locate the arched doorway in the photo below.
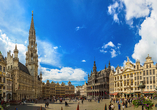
(8, 96)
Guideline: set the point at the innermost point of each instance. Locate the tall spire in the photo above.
(109, 67)
(32, 22)
(16, 50)
(94, 67)
(105, 66)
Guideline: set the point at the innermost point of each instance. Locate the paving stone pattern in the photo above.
(73, 105)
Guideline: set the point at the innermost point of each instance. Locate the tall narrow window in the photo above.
(3, 79)
(150, 72)
(147, 81)
(137, 66)
(146, 66)
(150, 80)
(150, 65)
(137, 77)
(147, 72)
(154, 71)
(143, 72)
(0, 68)
(3, 69)
(153, 79)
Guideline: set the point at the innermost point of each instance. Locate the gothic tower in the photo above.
(31, 54)
(16, 59)
(94, 74)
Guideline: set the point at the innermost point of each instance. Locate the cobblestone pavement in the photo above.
(73, 105)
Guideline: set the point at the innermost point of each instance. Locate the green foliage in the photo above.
(155, 94)
(148, 104)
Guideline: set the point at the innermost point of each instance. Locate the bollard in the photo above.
(61, 108)
(77, 107)
(41, 108)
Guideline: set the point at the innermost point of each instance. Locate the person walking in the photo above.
(119, 107)
(123, 105)
(82, 100)
(16, 108)
(112, 107)
(45, 104)
(109, 106)
(126, 103)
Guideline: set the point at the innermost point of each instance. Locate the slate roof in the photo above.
(23, 68)
(3, 58)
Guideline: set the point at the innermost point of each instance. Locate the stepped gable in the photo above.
(23, 68)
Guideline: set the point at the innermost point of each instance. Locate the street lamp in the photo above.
(142, 86)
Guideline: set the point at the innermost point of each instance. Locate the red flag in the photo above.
(77, 107)
(105, 93)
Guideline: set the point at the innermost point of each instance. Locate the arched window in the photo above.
(146, 66)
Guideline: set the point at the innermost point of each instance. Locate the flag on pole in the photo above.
(91, 87)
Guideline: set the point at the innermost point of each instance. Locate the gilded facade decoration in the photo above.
(128, 78)
(52, 89)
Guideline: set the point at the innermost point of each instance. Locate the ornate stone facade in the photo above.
(98, 82)
(5, 80)
(55, 89)
(83, 90)
(26, 82)
(128, 78)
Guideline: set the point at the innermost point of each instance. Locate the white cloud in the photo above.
(48, 53)
(114, 50)
(63, 74)
(56, 47)
(26, 42)
(103, 51)
(113, 68)
(141, 10)
(113, 53)
(148, 35)
(78, 27)
(109, 44)
(112, 10)
(6, 45)
(83, 60)
(14, 24)
(147, 29)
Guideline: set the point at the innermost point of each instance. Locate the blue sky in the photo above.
(72, 33)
